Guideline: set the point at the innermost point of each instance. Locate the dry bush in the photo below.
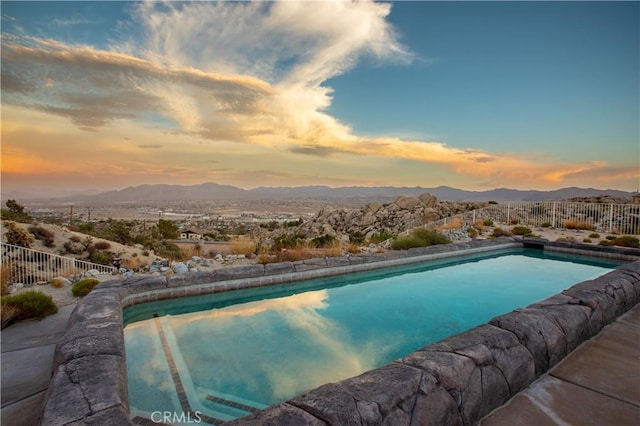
(353, 248)
(265, 258)
(567, 239)
(334, 250)
(47, 237)
(133, 263)
(455, 223)
(294, 254)
(57, 283)
(102, 245)
(17, 236)
(5, 273)
(499, 232)
(8, 314)
(242, 245)
(194, 250)
(577, 224)
(480, 225)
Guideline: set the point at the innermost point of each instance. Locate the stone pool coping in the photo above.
(457, 380)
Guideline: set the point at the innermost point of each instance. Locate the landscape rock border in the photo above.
(455, 381)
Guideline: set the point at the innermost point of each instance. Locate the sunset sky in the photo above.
(474, 95)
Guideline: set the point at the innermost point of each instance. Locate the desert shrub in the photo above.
(43, 234)
(284, 255)
(546, 224)
(101, 257)
(488, 222)
(294, 254)
(168, 249)
(356, 237)
(521, 230)
(624, 241)
(72, 247)
(8, 314)
(293, 223)
(568, 239)
(146, 253)
(611, 237)
(587, 240)
(30, 304)
(514, 221)
(287, 242)
(455, 223)
(17, 236)
(335, 250)
(325, 240)
(577, 224)
(5, 272)
(353, 248)
(134, 263)
(75, 239)
(102, 245)
(265, 257)
(419, 238)
(82, 287)
(242, 245)
(594, 235)
(57, 283)
(380, 237)
(499, 232)
(271, 225)
(473, 232)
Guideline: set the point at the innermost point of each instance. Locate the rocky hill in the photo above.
(404, 213)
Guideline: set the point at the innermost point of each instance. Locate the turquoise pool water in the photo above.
(222, 356)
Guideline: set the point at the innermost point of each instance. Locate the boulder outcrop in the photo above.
(404, 213)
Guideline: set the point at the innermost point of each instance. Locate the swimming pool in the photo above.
(224, 355)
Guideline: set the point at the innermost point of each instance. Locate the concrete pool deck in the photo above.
(89, 370)
(597, 384)
(27, 357)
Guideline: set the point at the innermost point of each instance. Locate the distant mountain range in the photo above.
(215, 192)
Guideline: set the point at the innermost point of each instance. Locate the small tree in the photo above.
(15, 212)
(167, 229)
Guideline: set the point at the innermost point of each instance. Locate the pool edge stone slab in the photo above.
(95, 332)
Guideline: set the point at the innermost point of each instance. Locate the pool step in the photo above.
(232, 404)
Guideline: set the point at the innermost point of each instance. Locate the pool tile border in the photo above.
(455, 381)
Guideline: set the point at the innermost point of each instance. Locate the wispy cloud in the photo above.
(73, 21)
(251, 73)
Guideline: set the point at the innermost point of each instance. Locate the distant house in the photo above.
(190, 234)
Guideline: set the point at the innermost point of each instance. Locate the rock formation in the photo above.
(403, 214)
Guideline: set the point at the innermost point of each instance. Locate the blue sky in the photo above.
(529, 95)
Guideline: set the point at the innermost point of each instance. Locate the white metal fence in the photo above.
(27, 266)
(612, 218)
